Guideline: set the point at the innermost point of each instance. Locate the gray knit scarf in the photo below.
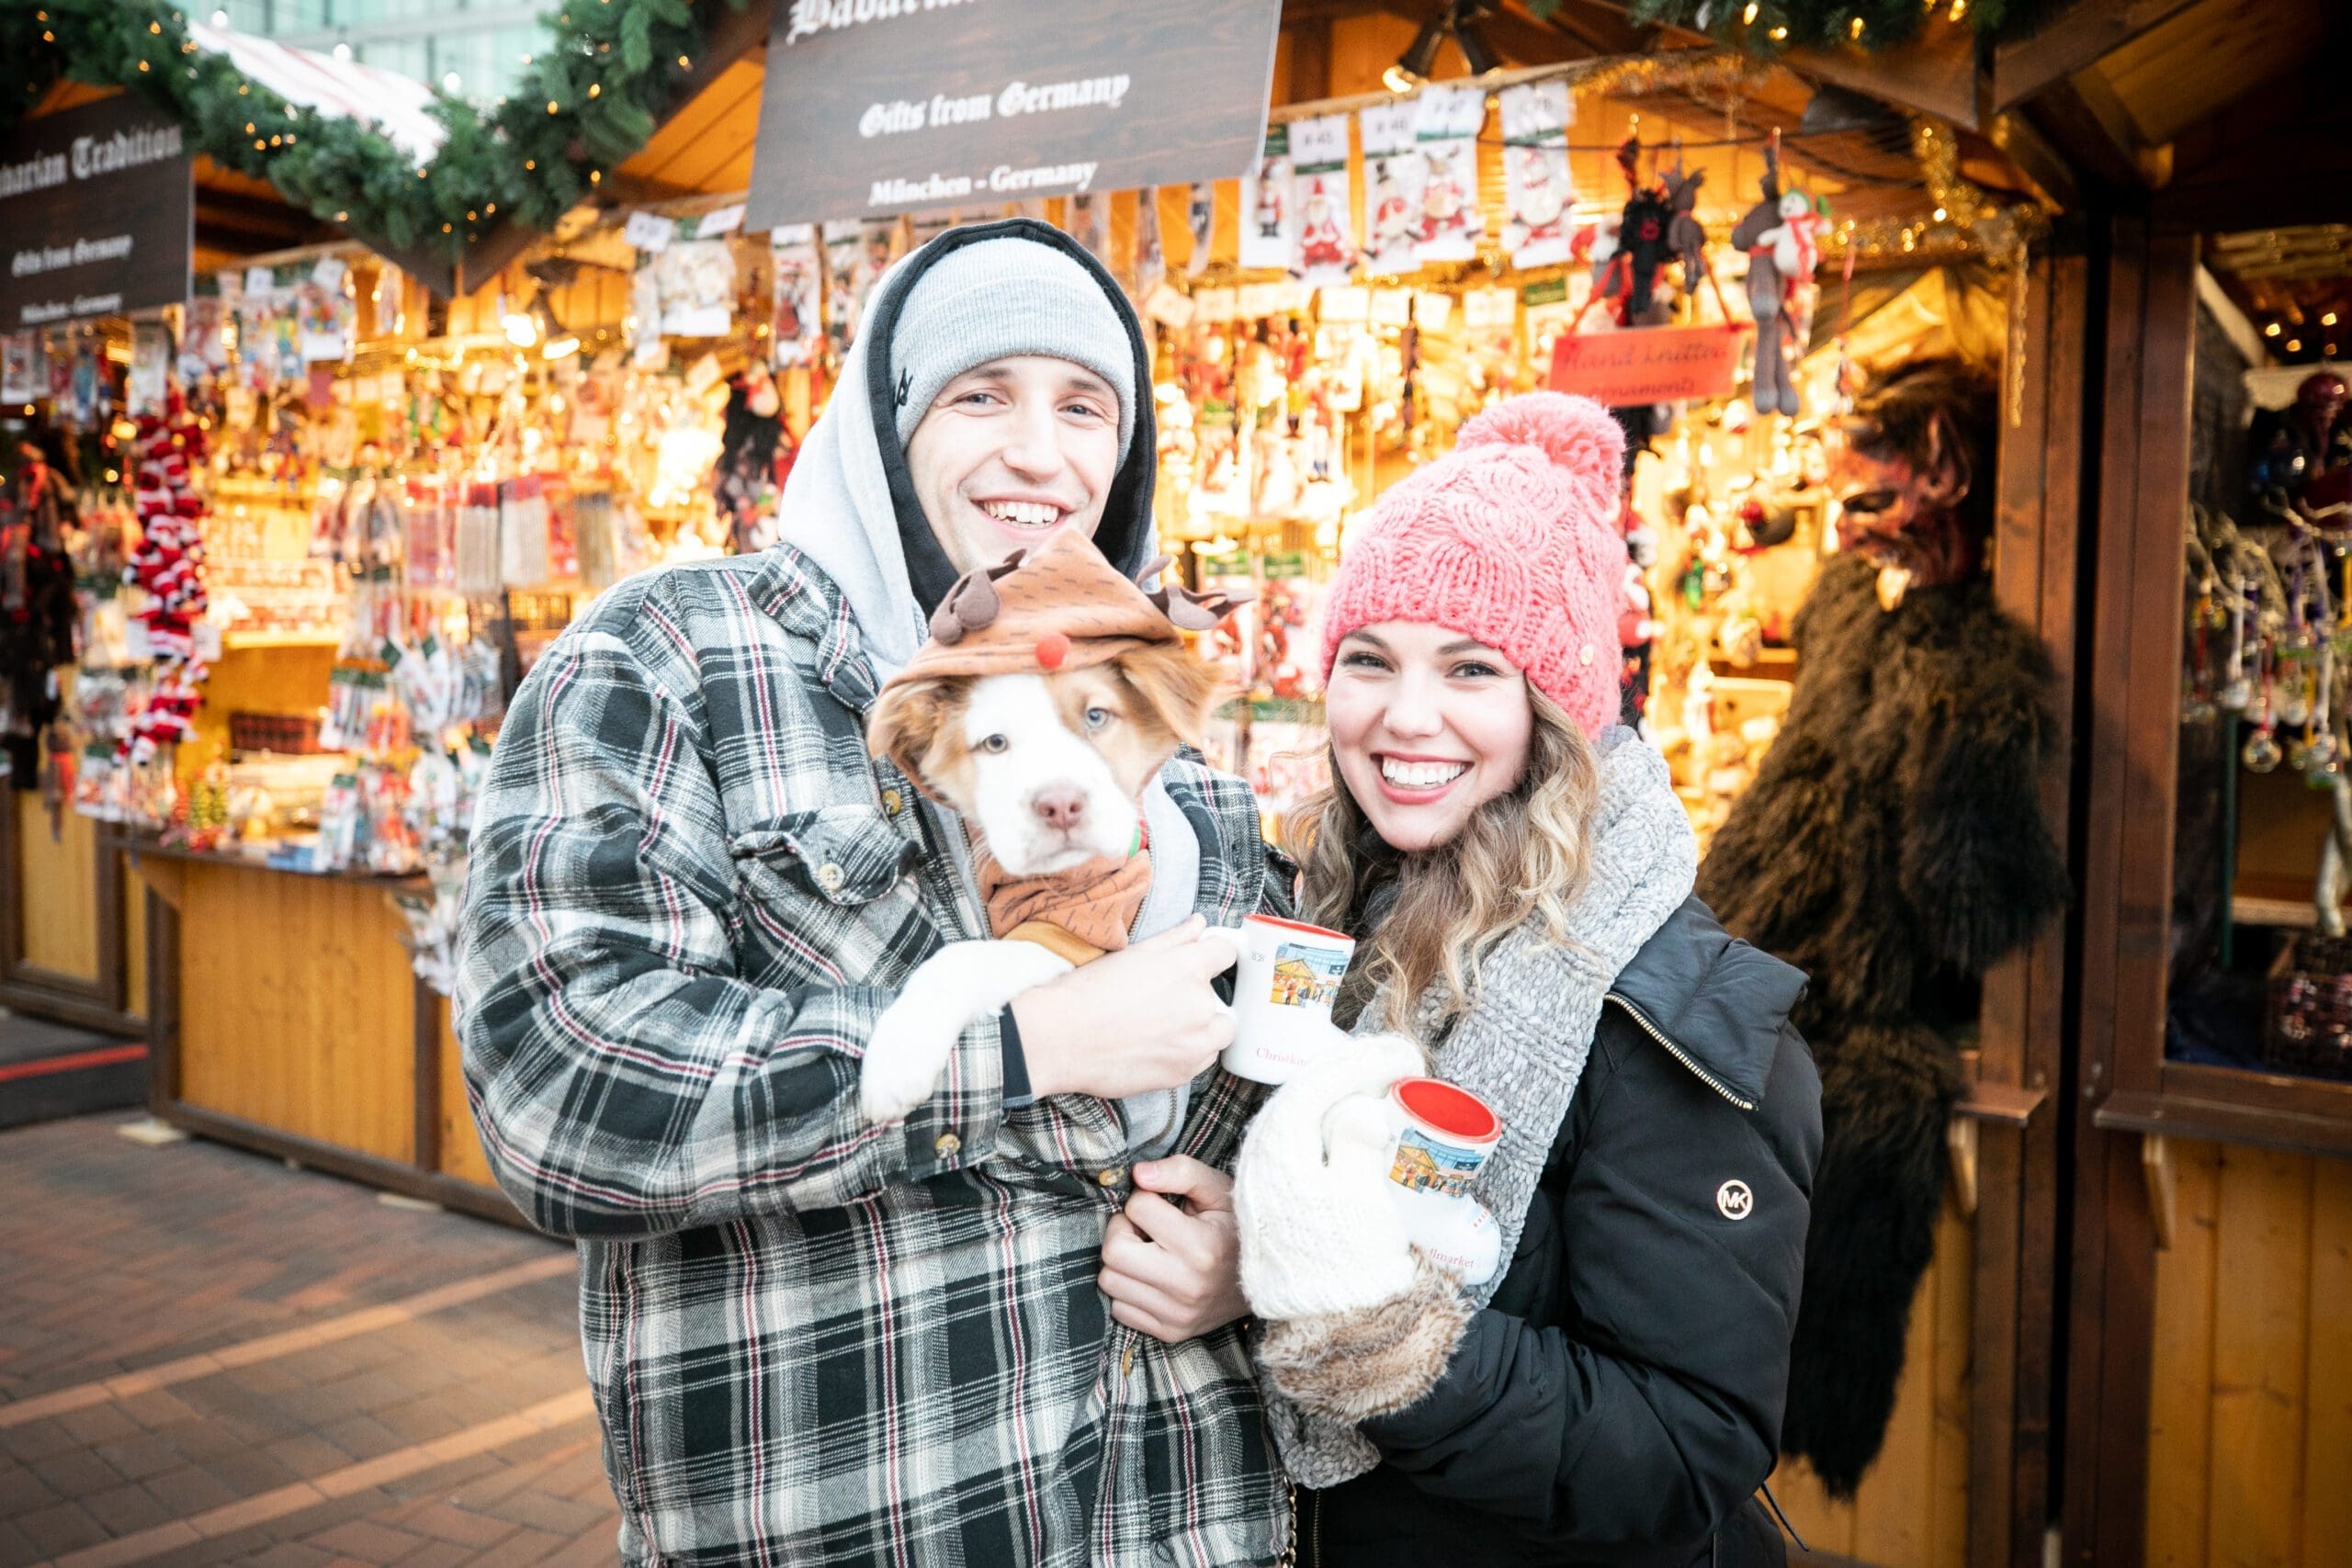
(1522, 1045)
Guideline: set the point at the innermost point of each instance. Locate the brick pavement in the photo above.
(208, 1357)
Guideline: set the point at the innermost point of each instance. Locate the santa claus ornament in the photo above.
(168, 566)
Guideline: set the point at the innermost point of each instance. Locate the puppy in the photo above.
(1053, 692)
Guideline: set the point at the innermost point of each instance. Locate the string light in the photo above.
(1748, 17)
(2270, 331)
(2294, 345)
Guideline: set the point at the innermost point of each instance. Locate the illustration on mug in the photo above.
(1306, 976)
(1423, 1166)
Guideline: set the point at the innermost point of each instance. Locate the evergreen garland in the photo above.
(1770, 27)
(592, 97)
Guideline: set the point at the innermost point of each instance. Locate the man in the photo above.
(811, 1340)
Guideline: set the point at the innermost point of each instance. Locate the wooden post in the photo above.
(2022, 1026)
(2133, 687)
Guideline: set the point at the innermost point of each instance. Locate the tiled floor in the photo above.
(208, 1357)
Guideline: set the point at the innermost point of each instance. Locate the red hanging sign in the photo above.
(1648, 365)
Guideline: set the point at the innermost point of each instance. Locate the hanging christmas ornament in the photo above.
(168, 564)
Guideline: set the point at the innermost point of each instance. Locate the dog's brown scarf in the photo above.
(1094, 902)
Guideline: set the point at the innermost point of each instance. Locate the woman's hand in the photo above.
(1319, 1232)
(1175, 1273)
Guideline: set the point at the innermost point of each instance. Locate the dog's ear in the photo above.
(906, 720)
(1174, 686)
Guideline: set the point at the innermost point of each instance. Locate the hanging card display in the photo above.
(21, 368)
(698, 282)
(857, 254)
(386, 297)
(1326, 202)
(1445, 130)
(150, 367)
(1394, 175)
(1536, 116)
(323, 317)
(1088, 224)
(1150, 264)
(1200, 218)
(282, 346)
(1269, 208)
(649, 231)
(796, 327)
(206, 344)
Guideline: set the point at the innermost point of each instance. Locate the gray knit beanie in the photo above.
(1000, 297)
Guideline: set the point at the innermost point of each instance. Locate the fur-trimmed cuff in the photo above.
(1374, 1360)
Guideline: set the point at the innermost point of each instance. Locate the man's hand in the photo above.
(1175, 1273)
(1131, 1021)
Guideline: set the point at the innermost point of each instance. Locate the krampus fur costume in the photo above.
(1891, 846)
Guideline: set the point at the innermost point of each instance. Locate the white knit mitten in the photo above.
(1310, 1190)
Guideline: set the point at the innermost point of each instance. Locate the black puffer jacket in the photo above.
(1620, 1401)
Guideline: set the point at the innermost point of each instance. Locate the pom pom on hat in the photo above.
(1510, 538)
(1578, 434)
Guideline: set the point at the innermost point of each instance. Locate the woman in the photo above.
(1519, 877)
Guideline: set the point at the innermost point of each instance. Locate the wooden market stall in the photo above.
(72, 922)
(2208, 1389)
(2129, 1344)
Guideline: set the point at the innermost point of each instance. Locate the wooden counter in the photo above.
(285, 1017)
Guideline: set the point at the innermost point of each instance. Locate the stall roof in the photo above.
(2229, 113)
(1858, 152)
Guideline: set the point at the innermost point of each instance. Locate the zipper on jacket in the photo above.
(1678, 1052)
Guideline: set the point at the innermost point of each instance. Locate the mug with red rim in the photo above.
(1443, 1135)
(1284, 983)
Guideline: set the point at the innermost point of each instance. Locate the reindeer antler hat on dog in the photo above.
(1062, 606)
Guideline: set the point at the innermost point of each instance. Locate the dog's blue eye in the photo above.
(1097, 717)
(994, 743)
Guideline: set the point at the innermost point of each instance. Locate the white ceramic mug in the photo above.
(1282, 989)
(1443, 1135)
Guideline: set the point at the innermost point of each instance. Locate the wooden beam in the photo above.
(2087, 138)
(1936, 74)
(2076, 38)
(1525, 41)
(1588, 30)
(2036, 162)
(2248, 190)
(1310, 60)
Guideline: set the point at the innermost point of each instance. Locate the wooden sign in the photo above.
(95, 214)
(878, 106)
(1648, 365)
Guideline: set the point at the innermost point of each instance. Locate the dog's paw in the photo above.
(962, 982)
(905, 1054)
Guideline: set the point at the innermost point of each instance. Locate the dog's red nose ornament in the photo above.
(1052, 648)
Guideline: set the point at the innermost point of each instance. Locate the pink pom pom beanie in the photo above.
(1511, 539)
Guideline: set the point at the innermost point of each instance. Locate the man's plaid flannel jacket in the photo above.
(812, 1341)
